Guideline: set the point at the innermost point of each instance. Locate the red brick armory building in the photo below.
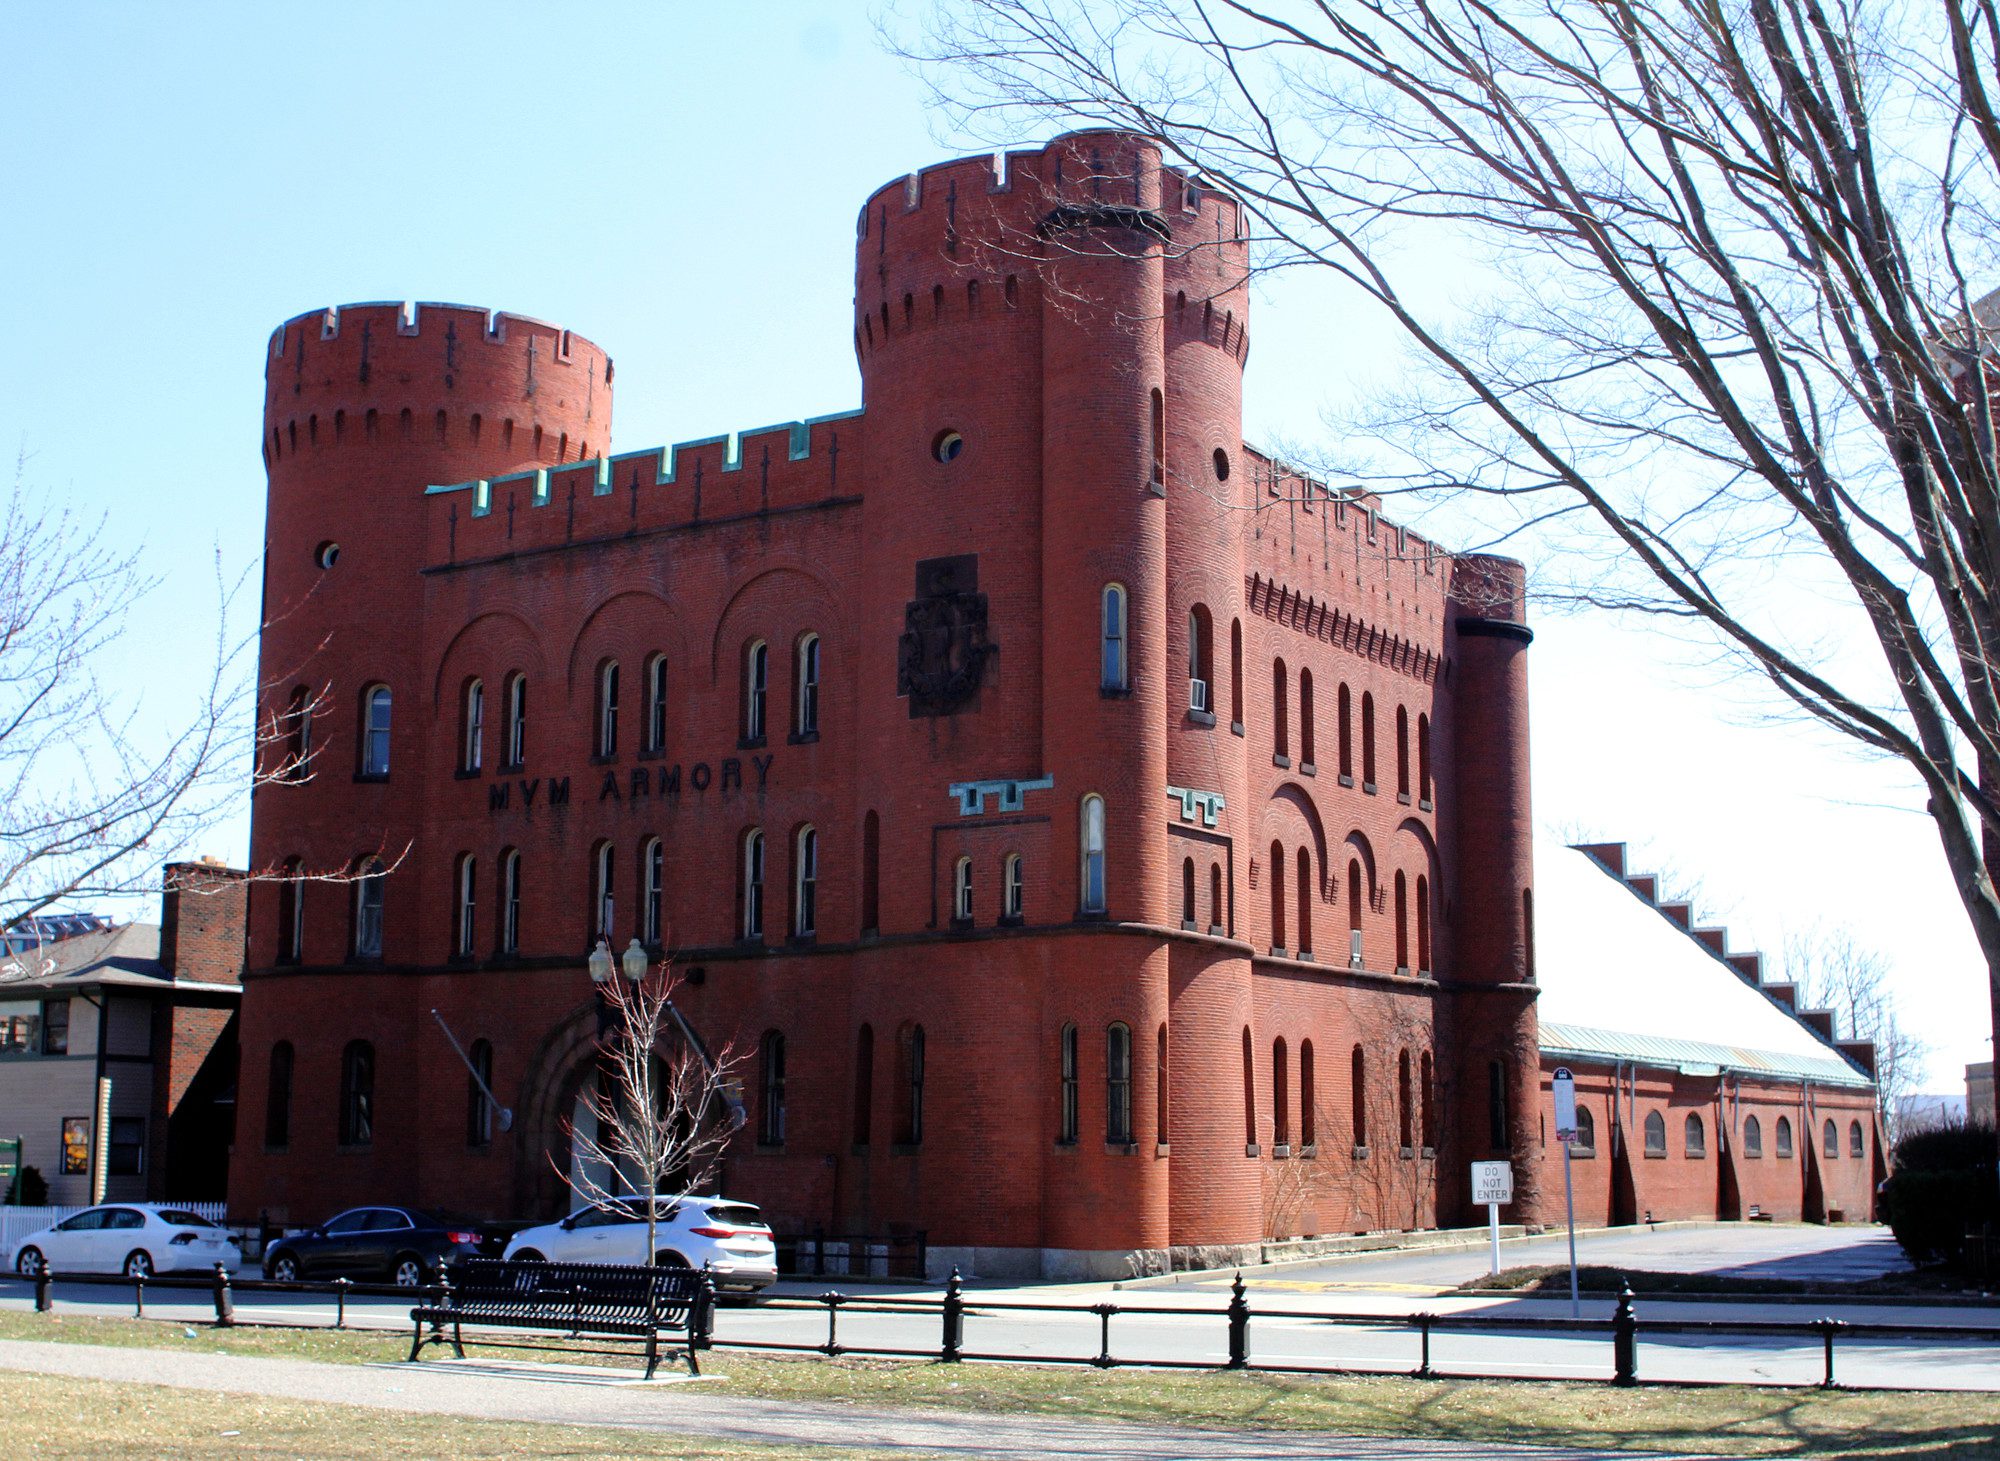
(1112, 846)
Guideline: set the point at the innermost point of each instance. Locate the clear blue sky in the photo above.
(679, 183)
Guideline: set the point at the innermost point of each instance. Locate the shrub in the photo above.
(1942, 1186)
(31, 1188)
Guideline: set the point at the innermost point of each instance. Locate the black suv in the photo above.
(399, 1244)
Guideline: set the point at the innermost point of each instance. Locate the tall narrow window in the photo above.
(1498, 1131)
(1367, 741)
(472, 744)
(1013, 894)
(1354, 951)
(1159, 424)
(510, 901)
(478, 1081)
(652, 891)
(1426, 1102)
(912, 1124)
(752, 899)
(1694, 1138)
(1113, 670)
(1857, 1145)
(604, 903)
(871, 873)
(1187, 892)
(1215, 919)
(1656, 1134)
(805, 709)
(1404, 1114)
(771, 1090)
(1423, 924)
(1066, 1127)
(1093, 854)
(1281, 1096)
(1236, 675)
(756, 685)
(1402, 923)
(297, 731)
(1528, 930)
(864, 1084)
(1829, 1145)
(1784, 1136)
(291, 913)
(1200, 671)
(357, 1094)
(1160, 1088)
(1281, 730)
(1358, 1095)
(278, 1097)
(517, 719)
(1277, 874)
(1118, 1084)
(1304, 917)
(367, 940)
(1403, 752)
(1344, 710)
(656, 703)
(1308, 1099)
(1424, 759)
(961, 891)
(1306, 748)
(1753, 1137)
(465, 934)
(805, 883)
(375, 731)
(607, 708)
(1249, 1093)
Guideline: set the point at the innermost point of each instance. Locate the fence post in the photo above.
(701, 1324)
(1625, 1342)
(139, 1296)
(225, 1311)
(1423, 1323)
(1828, 1328)
(1104, 1313)
(340, 1287)
(954, 1320)
(833, 1299)
(441, 1284)
(1239, 1326)
(45, 1298)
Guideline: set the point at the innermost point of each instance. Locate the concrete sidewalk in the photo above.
(571, 1395)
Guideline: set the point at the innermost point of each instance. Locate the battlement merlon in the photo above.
(417, 318)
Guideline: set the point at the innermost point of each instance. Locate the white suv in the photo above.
(727, 1238)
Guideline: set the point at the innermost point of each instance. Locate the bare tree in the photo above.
(1723, 332)
(1835, 972)
(663, 1108)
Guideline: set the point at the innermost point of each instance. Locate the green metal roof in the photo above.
(1695, 1057)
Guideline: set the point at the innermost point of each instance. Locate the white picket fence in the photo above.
(17, 1222)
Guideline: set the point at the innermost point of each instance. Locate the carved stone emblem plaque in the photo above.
(941, 658)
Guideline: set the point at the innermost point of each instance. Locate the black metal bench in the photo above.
(599, 1300)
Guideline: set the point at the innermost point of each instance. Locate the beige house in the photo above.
(1979, 1092)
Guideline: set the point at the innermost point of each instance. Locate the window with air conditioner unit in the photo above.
(1354, 948)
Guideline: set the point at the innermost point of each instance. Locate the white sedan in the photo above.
(729, 1239)
(136, 1239)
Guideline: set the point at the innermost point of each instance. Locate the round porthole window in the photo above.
(1221, 465)
(326, 554)
(947, 446)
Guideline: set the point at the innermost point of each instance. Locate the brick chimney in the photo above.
(204, 919)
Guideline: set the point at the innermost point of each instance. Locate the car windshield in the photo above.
(179, 1218)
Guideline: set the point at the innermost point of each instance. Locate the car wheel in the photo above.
(409, 1271)
(671, 1260)
(28, 1262)
(139, 1264)
(285, 1269)
(529, 1255)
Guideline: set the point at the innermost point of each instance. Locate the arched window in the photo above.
(864, 1084)
(805, 883)
(278, 1098)
(1784, 1136)
(652, 891)
(1118, 1084)
(871, 873)
(656, 703)
(1402, 753)
(1308, 1097)
(1215, 920)
(1344, 710)
(961, 891)
(1358, 1094)
(1694, 1137)
(472, 741)
(756, 685)
(771, 1090)
(1160, 1127)
(1404, 1111)
(1423, 924)
(1857, 1145)
(510, 901)
(910, 1126)
(1528, 929)
(1498, 1129)
(1402, 923)
(1249, 1093)
(1277, 874)
(1656, 1134)
(1354, 913)
(1367, 741)
(367, 941)
(1187, 892)
(1013, 894)
(375, 731)
(1753, 1137)
(292, 913)
(465, 934)
(607, 708)
(478, 1081)
(1281, 1103)
(357, 1094)
(1830, 1141)
(517, 719)
(1281, 730)
(1236, 675)
(1200, 670)
(1159, 424)
(750, 885)
(1113, 671)
(1586, 1132)
(1424, 759)
(805, 698)
(1306, 749)
(1093, 854)
(296, 763)
(1304, 917)
(1427, 1101)
(604, 888)
(1066, 1127)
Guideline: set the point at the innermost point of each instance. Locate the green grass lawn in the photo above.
(1734, 1421)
